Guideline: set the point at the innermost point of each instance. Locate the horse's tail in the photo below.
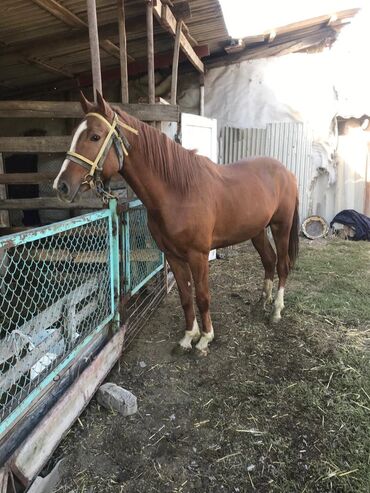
(293, 248)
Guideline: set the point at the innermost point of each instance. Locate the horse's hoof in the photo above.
(180, 350)
(274, 319)
(201, 353)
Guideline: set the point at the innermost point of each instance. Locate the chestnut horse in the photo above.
(193, 204)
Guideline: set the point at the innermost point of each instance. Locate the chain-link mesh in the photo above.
(145, 257)
(54, 291)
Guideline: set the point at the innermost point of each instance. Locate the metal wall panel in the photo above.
(290, 143)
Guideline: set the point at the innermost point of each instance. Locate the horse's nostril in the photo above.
(63, 188)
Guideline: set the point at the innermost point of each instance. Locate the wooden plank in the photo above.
(48, 203)
(44, 439)
(4, 215)
(175, 64)
(71, 19)
(72, 109)
(66, 256)
(35, 144)
(94, 47)
(23, 365)
(168, 21)
(26, 178)
(49, 67)
(45, 319)
(44, 177)
(123, 50)
(182, 10)
(145, 255)
(62, 13)
(150, 48)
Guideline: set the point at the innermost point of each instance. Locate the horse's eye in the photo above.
(95, 138)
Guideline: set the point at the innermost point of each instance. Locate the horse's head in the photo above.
(97, 151)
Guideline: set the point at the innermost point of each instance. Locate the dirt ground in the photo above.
(272, 408)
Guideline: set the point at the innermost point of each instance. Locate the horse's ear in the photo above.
(103, 105)
(86, 105)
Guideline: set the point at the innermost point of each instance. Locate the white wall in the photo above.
(291, 88)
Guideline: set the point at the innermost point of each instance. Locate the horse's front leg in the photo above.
(199, 266)
(182, 273)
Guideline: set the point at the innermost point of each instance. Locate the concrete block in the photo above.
(111, 396)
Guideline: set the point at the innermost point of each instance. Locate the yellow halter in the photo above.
(115, 137)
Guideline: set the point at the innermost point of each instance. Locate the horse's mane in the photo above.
(177, 166)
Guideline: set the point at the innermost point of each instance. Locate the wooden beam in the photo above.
(38, 178)
(62, 13)
(150, 48)
(175, 63)
(35, 144)
(71, 19)
(123, 50)
(49, 67)
(49, 432)
(168, 21)
(4, 215)
(48, 203)
(94, 47)
(282, 44)
(72, 109)
(26, 178)
(181, 10)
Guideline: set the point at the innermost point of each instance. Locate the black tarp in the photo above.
(359, 222)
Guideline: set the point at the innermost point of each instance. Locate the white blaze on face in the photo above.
(80, 129)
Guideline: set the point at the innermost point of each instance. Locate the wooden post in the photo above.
(94, 47)
(175, 63)
(4, 215)
(150, 36)
(201, 95)
(123, 50)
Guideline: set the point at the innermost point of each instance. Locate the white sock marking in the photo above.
(82, 126)
(206, 338)
(190, 335)
(279, 304)
(267, 291)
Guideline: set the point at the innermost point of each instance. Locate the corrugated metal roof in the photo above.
(37, 46)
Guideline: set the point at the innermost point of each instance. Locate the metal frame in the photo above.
(118, 261)
(129, 289)
(114, 258)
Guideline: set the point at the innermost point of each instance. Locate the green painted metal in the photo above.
(50, 230)
(146, 279)
(27, 402)
(56, 262)
(50, 303)
(126, 232)
(138, 240)
(114, 261)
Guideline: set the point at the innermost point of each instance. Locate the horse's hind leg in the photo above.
(182, 273)
(280, 232)
(268, 257)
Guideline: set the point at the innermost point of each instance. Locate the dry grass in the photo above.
(282, 408)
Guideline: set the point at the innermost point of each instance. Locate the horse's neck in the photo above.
(150, 189)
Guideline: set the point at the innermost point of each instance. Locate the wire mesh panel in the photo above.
(143, 259)
(56, 290)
